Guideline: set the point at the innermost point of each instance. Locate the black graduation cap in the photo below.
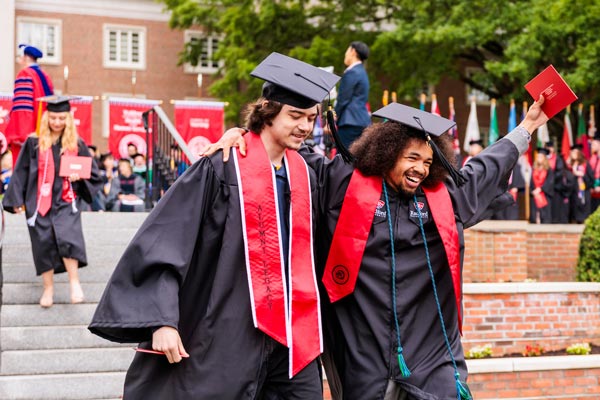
(58, 103)
(429, 124)
(550, 143)
(31, 51)
(294, 82)
(543, 150)
(476, 141)
(577, 146)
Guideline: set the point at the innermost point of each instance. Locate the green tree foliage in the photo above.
(413, 44)
(588, 264)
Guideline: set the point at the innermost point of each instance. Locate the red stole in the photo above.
(298, 327)
(539, 177)
(353, 226)
(45, 181)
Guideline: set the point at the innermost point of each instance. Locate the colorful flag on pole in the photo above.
(567, 138)
(422, 102)
(472, 132)
(454, 130)
(512, 116)
(494, 132)
(582, 137)
(435, 109)
(543, 136)
(592, 123)
(385, 98)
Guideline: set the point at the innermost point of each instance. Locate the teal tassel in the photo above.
(403, 367)
(462, 390)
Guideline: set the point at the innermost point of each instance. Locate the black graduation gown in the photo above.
(560, 200)
(581, 200)
(512, 211)
(58, 234)
(545, 213)
(185, 268)
(359, 330)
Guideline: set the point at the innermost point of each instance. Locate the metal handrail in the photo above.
(169, 151)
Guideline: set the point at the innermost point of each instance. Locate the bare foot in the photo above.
(76, 293)
(47, 300)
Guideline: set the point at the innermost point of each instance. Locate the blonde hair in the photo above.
(68, 138)
(544, 164)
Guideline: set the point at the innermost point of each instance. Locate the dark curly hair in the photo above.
(378, 148)
(258, 115)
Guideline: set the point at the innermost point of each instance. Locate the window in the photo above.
(45, 34)
(208, 47)
(124, 47)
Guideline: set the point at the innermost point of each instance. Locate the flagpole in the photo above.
(527, 183)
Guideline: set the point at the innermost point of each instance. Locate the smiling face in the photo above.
(412, 167)
(289, 128)
(57, 121)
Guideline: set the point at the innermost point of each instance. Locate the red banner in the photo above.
(81, 108)
(199, 122)
(5, 106)
(126, 126)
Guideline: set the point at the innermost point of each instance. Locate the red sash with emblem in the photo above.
(297, 326)
(352, 231)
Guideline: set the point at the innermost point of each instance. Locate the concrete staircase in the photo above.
(49, 353)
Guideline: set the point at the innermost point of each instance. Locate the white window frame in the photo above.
(56, 59)
(188, 68)
(127, 64)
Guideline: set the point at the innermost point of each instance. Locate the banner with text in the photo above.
(126, 126)
(199, 122)
(5, 106)
(81, 108)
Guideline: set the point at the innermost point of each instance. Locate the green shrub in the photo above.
(579, 349)
(480, 351)
(588, 264)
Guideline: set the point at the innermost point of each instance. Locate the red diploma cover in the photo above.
(556, 92)
(80, 165)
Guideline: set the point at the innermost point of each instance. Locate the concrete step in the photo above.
(52, 337)
(34, 315)
(103, 385)
(66, 361)
(105, 255)
(25, 273)
(29, 293)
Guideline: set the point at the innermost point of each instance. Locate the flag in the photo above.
(454, 130)
(385, 98)
(582, 137)
(493, 136)
(592, 123)
(435, 109)
(199, 123)
(512, 116)
(567, 138)
(472, 126)
(422, 103)
(530, 149)
(543, 136)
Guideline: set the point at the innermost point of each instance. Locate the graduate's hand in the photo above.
(535, 116)
(74, 177)
(19, 210)
(232, 138)
(167, 340)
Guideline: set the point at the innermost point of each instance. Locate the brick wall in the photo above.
(512, 251)
(568, 384)
(511, 316)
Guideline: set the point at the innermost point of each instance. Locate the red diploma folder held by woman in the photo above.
(557, 94)
(79, 165)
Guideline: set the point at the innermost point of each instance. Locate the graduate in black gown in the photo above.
(220, 276)
(49, 200)
(542, 189)
(390, 250)
(583, 175)
(516, 186)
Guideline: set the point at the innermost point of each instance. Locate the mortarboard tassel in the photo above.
(346, 155)
(402, 363)
(455, 174)
(462, 390)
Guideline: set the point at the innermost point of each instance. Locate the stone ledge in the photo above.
(543, 363)
(514, 226)
(531, 287)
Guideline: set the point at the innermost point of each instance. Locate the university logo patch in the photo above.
(380, 210)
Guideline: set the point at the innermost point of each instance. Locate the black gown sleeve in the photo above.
(16, 192)
(143, 292)
(487, 183)
(87, 188)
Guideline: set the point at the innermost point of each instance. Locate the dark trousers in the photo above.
(275, 384)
